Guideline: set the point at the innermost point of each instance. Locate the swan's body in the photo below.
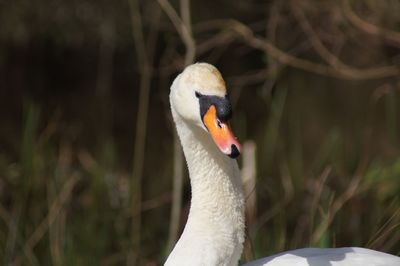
(214, 233)
(328, 257)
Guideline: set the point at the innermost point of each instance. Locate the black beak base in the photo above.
(222, 105)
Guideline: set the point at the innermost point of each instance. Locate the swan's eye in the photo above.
(198, 94)
(219, 123)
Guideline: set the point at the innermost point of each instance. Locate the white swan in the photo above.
(214, 232)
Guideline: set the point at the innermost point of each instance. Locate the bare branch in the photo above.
(348, 73)
(287, 185)
(249, 174)
(389, 35)
(316, 42)
(54, 210)
(340, 71)
(317, 191)
(156, 202)
(351, 191)
(144, 51)
(187, 32)
(140, 134)
(182, 27)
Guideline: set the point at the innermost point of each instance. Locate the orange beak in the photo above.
(221, 133)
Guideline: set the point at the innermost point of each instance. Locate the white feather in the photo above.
(214, 233)
(329, 257)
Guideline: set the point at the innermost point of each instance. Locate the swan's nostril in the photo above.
(234, 151)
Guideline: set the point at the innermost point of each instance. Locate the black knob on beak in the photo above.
(222, 105)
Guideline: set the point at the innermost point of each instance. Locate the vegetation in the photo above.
(88, 156)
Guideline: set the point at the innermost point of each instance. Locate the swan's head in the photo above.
(198, 95)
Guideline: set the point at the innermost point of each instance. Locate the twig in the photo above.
(316, 42)
(156, 202)
(56, 228)
(341, 73)
(251, 78)
(337, 204)
(380, 233)
(287, 185)
(140, 133)
(187, 32)
(104, 81)
(14, 238)
(249, 185)
(218, 39)
(388, 35)
(54, 210)
(347, 73)
(144, 52)
(183, 27)
(5, 215)
(317, 191)
(249, 179)
(273, 21)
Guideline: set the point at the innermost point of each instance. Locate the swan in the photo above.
(214, 232)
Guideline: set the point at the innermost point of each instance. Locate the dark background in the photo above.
(86, 135)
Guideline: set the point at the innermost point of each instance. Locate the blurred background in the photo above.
(90, 169)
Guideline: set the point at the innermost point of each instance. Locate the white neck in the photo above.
(214, 232)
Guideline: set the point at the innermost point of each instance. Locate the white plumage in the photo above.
(214, 233)
(329, 257)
